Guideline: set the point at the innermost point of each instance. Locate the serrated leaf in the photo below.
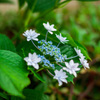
(13, 73)
(6, 43)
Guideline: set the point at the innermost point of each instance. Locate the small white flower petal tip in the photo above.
(31, 35)
(33, 60)
(84, 63)
(62, 39)
(60, 76)
(82, 58)
(49, 27)
(79, 53)
(71, 67)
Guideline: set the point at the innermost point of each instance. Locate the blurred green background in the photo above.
(82, 21)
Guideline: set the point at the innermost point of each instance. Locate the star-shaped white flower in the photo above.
(31, 35)
(79, 53)
(62, 39)
(33, 60)
(60, 76)
(71, 67)
(84, 62)
(49, 27)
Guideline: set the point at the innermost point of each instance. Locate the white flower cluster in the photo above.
(82, 58)
(71, 66)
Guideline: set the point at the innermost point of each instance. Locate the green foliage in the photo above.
(13, 73)
(36, 74)
(6, 43)
(24, 48)
(34, 94)
(40, 5)
(4, 96)
(97, 49)
(6, 1)
(21, 3)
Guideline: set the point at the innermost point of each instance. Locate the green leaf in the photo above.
(97, 48)
(6, 43)
(68, 50)
(87, 0)
(42, 5)
(26, 47)
(13, 73)
(3, 95)
(21, 3)
(34, 94)
(71, 41)
(36, 74)
(83, 50)
(6, 1)
(83, 0)
(70, 77)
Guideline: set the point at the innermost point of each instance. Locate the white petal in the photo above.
(67, 64)
(60, 82)
(74, 73)
(29, 63)
(77, 69)
(26, 59)
(64, 80)
(35, 39)
(50, 32)
(71, 62)
(30, 55)
(36, 66)
(28, 39)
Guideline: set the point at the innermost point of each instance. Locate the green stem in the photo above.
(29, 14)
(40, 69)
(46, 36)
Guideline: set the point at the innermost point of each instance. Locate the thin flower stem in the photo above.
(34, 45)
(59, 65)
(46, 36)
(50, 72)
(58, 44)
(72, 57)
(23, 52)
(40, 69)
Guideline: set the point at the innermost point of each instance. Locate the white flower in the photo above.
(71, 67)
(62, 39)
(31, 35)
(79, 53)
(33, 60)
(60, 76)
(84, 62)
(49, 27)
(82, 59)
